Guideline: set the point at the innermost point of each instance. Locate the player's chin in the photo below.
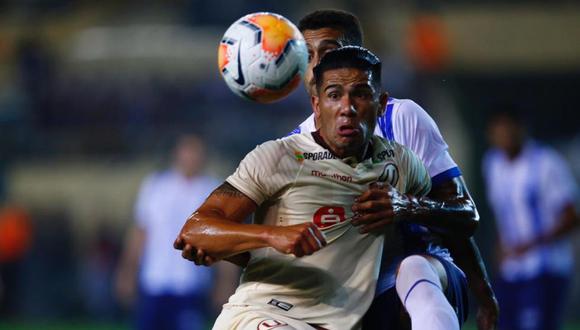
(353, 141)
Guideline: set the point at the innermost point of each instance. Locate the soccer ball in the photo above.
(262, 57)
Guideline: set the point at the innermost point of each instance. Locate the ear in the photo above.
(315, 101)
(383, 98)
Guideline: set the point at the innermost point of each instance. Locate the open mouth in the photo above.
(348, 130)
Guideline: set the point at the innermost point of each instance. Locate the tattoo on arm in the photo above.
(228, 190)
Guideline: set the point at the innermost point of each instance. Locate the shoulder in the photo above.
(269, 153)
(157, 178)
(209, 181)
(386, 149)
(308, 125)
(548, 155)
(408, 111)
(491, 156)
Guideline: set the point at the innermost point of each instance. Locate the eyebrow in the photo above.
(328, 42)
(332, 86)
(364, 85)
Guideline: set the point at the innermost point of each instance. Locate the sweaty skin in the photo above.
(215, 231)
(346, 107)
(382, 205)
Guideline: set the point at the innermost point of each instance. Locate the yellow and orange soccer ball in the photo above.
(262, 57)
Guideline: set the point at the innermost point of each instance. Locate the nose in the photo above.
(347, 107)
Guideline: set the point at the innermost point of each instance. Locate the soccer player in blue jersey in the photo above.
(532, 193)
(447, 210)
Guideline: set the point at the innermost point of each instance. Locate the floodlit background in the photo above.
(94, 93)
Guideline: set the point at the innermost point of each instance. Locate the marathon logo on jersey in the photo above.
(386, 153)
(390, 174)
(271, 324)
(327, 216)
(281, 304)
(335, 176)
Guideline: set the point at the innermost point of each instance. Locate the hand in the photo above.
(190, 252)
(125, 288)
(198, 256)
(487, 315)
(517, 251)
(377, 207)
(300, 240)
(522, 249)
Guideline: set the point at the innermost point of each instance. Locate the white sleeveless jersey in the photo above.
(296, 180)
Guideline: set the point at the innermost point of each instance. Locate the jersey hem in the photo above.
(445, 175)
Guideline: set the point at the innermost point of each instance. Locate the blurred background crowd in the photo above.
(95, 94)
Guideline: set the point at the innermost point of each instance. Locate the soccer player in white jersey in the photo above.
(532, 193)
(310, 268)
(176, 299)
(448, 208)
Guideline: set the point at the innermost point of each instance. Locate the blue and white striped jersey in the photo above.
(527, 195)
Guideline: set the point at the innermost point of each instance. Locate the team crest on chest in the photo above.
(390, 174)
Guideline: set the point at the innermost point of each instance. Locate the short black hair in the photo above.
(510, 111)
(335, 19)
(349, 57)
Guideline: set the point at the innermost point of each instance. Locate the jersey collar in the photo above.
(351, 161)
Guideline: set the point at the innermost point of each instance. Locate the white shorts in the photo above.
(252, 318)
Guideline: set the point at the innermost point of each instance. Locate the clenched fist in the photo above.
(300, 240)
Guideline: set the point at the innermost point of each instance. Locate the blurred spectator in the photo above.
(15, 240)
(532, 193)
(97, 275)
(173, 293)
(37, 73)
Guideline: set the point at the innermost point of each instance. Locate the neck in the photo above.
(514, 152)
(186, 173)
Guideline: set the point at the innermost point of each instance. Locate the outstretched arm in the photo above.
(215, 231)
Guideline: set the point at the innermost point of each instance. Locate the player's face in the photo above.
(506, 134)
(319, 42)
(347, 106)
(188, 156)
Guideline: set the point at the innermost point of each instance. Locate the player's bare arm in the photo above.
(447, 209)
(215, 231)
(467, 256)
(567, 222)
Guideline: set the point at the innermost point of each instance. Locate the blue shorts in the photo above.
(387, 312)
(532, 304)
(169, 311)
